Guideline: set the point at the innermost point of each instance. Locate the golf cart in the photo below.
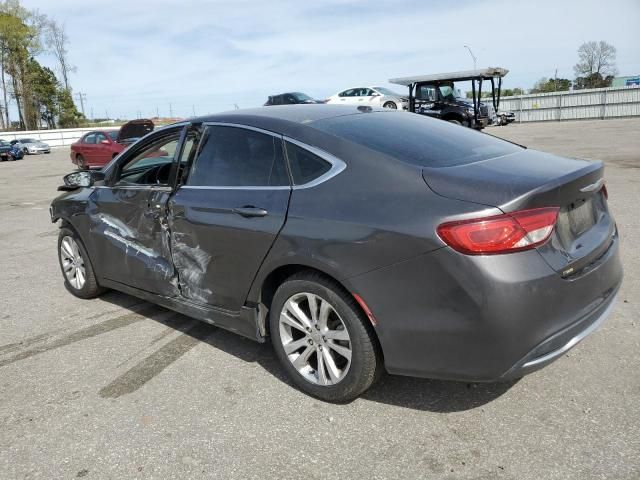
(437, 95)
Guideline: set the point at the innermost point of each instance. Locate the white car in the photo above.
(371, 96)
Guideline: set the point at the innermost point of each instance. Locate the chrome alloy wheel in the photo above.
(315, 339)
(72, 262)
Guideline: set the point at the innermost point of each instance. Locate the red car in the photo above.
(97, 148)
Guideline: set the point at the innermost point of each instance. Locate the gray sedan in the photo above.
(356, 240)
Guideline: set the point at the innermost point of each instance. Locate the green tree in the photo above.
(545, 85)
(595, 80)
(45, 88)
(68, 114)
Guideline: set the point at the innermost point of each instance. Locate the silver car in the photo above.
(32, 146)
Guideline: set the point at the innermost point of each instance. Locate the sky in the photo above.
(140, 57)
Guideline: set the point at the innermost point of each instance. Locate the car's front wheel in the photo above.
(391, 105)
(322, 339)
(79, 277)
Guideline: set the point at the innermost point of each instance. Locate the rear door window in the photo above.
(91, 138)
(238, 157)
(305, 166)
(416, 139)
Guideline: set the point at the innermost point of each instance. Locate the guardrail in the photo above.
(593, 103)
(55, 138)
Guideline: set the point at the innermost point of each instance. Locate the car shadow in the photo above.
(436, 396)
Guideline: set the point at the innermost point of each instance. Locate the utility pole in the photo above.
(91, 113)
(472, 56)
(106, 114)
(82, 97)
(157, 112)
(555, 81)
(194, 110)
(170, 110)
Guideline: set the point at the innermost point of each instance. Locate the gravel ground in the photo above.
(118, 388)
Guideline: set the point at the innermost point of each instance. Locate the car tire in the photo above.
(26, 151)
(391, 105)
(346, 328)
(455, 122)
(75, 265)
(80, 162)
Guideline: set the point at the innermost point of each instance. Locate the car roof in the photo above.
(297, 114)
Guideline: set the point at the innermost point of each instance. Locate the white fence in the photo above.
(578, 104)
(55, 138)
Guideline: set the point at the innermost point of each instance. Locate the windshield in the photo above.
(386, 91)
(301, 97)
(113, 134)
(4, 143)
(450, 92)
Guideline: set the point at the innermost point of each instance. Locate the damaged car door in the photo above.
(226, 215)
(129, 219)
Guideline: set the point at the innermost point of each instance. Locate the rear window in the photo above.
(416, 139)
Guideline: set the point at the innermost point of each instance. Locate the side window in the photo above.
(150, 165)
(347, 93)
(91, 138)
(100, 137)
(426, 93)
(238, 157)
(305, 166)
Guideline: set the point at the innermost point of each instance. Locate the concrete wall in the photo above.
(574, 105)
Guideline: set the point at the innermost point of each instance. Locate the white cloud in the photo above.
(136, 56)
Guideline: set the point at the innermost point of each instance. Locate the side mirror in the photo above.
(375, 94)
(104, 142)
(81, 179)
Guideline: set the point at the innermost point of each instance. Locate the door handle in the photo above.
(251, 212)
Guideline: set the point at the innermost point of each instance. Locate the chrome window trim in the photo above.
(337, 165)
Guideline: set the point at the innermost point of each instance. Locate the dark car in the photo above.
(355, 238)
(97, 148)
(9, 151)
(290, 98)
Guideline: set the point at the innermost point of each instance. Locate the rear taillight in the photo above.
(507, 233)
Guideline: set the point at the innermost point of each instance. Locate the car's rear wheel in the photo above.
(322, 339)
(390, 105)
(79, 277)
(81, 162)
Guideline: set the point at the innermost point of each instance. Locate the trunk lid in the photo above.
(530, 179)
(133, 130)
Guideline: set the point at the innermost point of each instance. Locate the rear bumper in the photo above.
(560, 343)
(485, 318)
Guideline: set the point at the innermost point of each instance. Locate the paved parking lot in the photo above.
(118, 388)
